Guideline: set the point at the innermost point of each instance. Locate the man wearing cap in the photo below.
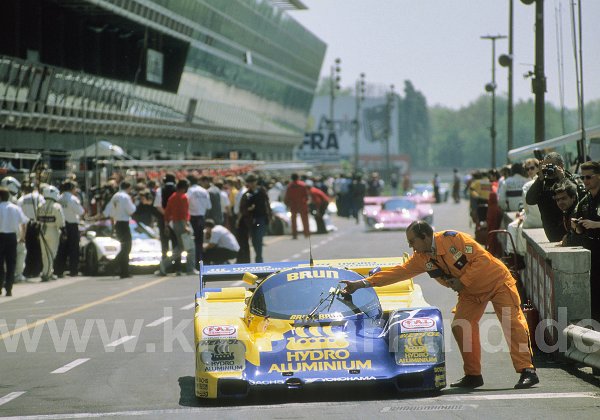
(457, 261)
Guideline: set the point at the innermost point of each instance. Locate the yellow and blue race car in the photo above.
(294, 329)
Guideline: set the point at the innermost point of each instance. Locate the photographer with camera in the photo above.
(552, 170)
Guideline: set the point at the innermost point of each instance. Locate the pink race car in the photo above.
(391, 213)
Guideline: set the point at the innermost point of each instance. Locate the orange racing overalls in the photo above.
(485, 279)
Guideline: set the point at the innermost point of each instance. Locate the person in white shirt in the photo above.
(119, 209)
(13, 186)
(51, 220)
(12, 231)
(30, 264)
(221, 245)
(199, 203)
(69, 245)
(510, 189)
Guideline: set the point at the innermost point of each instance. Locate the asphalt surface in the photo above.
(106, 347)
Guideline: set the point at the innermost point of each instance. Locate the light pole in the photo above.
(491, 87)
(538, 84)
(360, 97)
(506, 60)
(389, 104)
(334, 87)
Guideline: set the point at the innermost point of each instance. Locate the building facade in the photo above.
(160, 78)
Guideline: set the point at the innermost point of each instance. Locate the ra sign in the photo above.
(319, 146)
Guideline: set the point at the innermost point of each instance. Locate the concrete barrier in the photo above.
(556, 280)
(583, 345)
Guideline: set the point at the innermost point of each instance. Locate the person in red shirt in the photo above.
(318, 205)
(296, 198)
(177, 215)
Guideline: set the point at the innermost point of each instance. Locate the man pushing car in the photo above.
(457, 261)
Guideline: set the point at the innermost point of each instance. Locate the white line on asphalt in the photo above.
(525, 396)
(39, 301)
(121, 341)
(186, 307)
(10, 397)
(70, 366)
(159, 321)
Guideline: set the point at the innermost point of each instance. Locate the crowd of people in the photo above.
(216, 220)
(540, 194)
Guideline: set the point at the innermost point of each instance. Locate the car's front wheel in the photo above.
(91, 261)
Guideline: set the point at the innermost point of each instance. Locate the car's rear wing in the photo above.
(262, 270)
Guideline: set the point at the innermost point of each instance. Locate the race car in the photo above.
(98, 248)
(424, 193)
(389, 213)
(294, 329)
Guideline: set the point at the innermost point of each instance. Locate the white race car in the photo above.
(98, 248)
(281, 223)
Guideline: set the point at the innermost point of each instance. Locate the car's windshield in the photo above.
(138, 231)
(399, 204)
(292, 295)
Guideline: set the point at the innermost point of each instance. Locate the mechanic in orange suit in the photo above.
(296, 198)
(457, 261)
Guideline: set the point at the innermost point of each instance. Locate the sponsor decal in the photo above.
(220, 356)
(334, 316)
(417, 324)
(452, 250)
(313, 274)
(219, 331)
(317, 343)
(439, 380)
(461, 262)
(418, 358)
(343, 379)
(420, 334)
(428, 266)
(306, 361)
(468, 249)
(272, 382)
(439, 369)
(457, 255)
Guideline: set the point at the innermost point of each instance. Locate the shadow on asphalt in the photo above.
(354, 392)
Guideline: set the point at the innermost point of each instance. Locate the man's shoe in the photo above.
(528, 379)
(45, 278)
(9, 293)
(468, 381)
(125, 276)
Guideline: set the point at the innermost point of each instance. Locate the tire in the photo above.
(91, 261)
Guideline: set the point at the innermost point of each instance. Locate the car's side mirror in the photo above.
(250, 278)
(90, 234)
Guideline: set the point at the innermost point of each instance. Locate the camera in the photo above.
(549, 170)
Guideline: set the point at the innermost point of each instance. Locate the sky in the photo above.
(436, 45)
